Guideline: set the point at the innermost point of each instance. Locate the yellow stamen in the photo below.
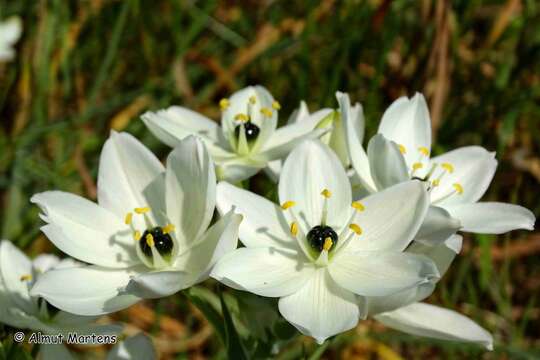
(357, 229)
(327, 243)
(458, 187)
(402, 149)
(357, 205)
(423, 150)
(224, 104)
(129, 217)
(276, 105)
(26, 277)
(142, 210)
(150, 240)
(137, 235)
(287, 204)
(252, 99)
(435, 182)
(448, 167)
(326, 193)
(241, 117)
(294, 228)
(266, 112)
(168, 228)
(417, 166)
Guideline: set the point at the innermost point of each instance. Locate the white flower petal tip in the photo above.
(427, 320)
(492, 217)
(158, 284)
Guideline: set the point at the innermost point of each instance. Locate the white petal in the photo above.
(407, 123)
(263, 225)
(45, 262)
(126, 168)
(219, 240)
(492, 217)
(474, 168)
(381, 273)
(353, 123)
(190, 189)
(437, 226)
(311, 168)
(10, 30)
(285, 139)
(380, 304)
(14, 265)
(138, 347)
(386, 162)
(84, 230)
(299, 114)
(157, 284)
(321, 308)
(391, 217)
(435, 322)
(442, 254)
(237, 170)
(264, 271)
(173, 124)
(89, 290)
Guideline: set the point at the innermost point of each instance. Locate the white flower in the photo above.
(248, 138)
(20, 309)
(456, 180)
(10, 32)
(402, 311)
(148, 235)
(319, 250)
(335, 137)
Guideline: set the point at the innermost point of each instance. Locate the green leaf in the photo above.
(235, 349)
(201, 298)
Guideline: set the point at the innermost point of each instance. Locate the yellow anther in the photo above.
(276, 105)
(142, 210)
(294, 228)
(241, 117)
(326, 193)
(129, 217)
(327, 243)
(252, 100)
(402, 149)
(357, 229)
(266, 112)
(357, 205)
(168, 228)
(224, 104)
(458, 187)
(150, 240)
(287, 204)
(417, 166)
(137, 235)
(435, 182)
(26, 277)
(448, 167)
(423, 150)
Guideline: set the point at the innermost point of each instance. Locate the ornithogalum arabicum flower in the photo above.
(147, 237)
(248, 138)
(456, 180)
(20, 309)
(319, 252)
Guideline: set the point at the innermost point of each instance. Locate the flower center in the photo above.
(156, 238)
(251, 130)
(322, 237)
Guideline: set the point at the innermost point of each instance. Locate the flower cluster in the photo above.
(355, 233)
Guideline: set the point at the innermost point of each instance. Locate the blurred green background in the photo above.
(84, 67)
